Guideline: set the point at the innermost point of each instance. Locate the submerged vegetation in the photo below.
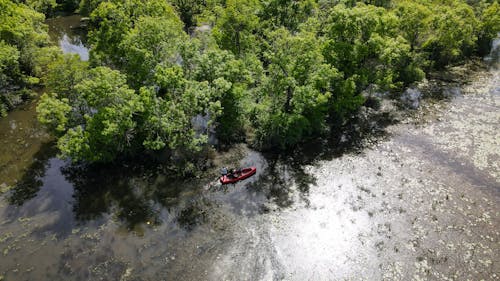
(171, 77)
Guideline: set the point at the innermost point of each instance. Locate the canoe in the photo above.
(239, 175)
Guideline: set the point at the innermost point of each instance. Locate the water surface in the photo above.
(69, 34)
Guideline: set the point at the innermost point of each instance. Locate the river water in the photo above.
(417, 200)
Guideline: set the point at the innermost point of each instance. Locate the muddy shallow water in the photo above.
(420, 201)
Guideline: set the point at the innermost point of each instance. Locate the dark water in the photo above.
(398, 197)
(22, 143)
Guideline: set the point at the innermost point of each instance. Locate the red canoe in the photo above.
(239, 175)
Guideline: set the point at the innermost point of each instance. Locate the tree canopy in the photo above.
(24, 48)
(172, 76)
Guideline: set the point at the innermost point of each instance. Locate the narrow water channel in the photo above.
(69, 34)
(418, 200)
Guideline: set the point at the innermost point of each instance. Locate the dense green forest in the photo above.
(24, 49)
(273, 73)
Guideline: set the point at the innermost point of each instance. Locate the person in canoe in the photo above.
(224, 171)
(231, 173)
(235, 175)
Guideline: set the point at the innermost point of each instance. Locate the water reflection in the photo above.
(31, 181)
(494, 57)
(74, 46)
(194, 213)
(126, 192)
(137, 196)
(141, 196)
(70, 35)
(21, 137)
(280, 181)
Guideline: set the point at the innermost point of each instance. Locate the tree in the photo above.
(42, 6)
(296, 92)
(9, 74)
(151, 42)
(454, 33)
(86, 7)
(228, 77)
(348, 30)
(490, 27)
(99, 122)
(188, 9)
(168, 122)
(287, 13)
(235, 28)
(53, 112)
(23, 49)
(364, 42)
(111, 21)
(64, 73)
(414, 21)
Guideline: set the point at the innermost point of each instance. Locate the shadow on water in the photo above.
(195, 213)
(30, 183)
(287, 180)
(141, 195)
(120, 190)
(136, 195)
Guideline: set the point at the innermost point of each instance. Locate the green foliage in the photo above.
(42, 6)
(9, 75)
(454, 33)
(86, 7)
(152, 41)
(364, 44)
(64, 73)
(235, 28)
(228, 77)
(296, 91)
(53, 112)
(97, 123)
(9, 65)
(414, 21)
(287, 13)
(52, 7)
(23, 28)
(283, 70)
(348, 31)
(111, 22)
(490, 27)
(23, 52)
(491, 20)
(167, 121)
